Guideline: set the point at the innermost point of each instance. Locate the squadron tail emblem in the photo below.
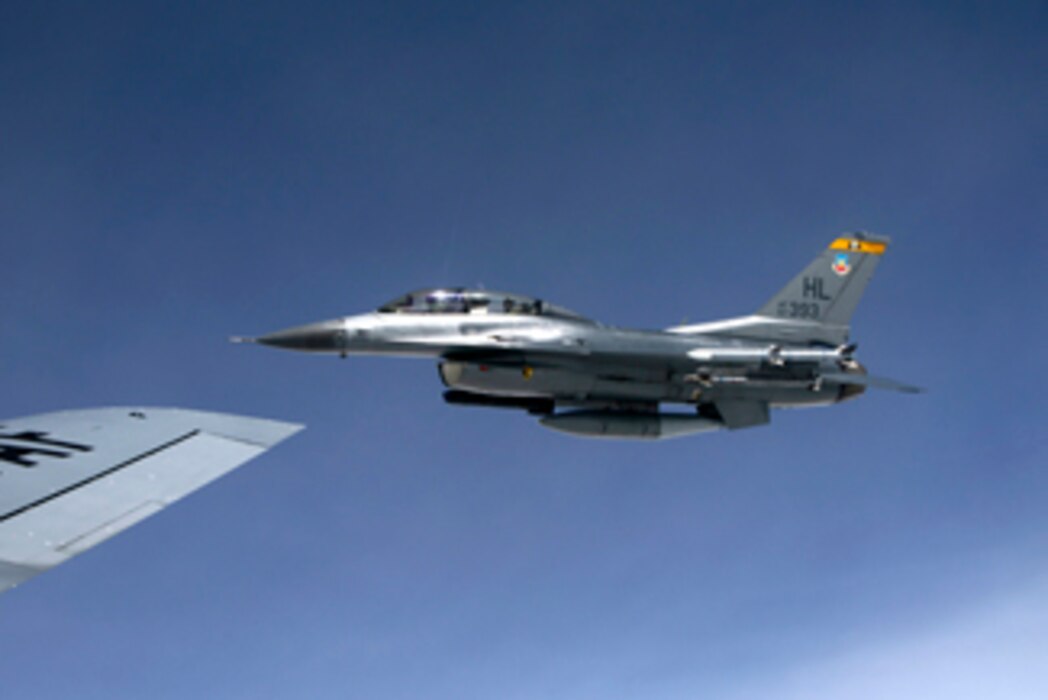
(840, 265)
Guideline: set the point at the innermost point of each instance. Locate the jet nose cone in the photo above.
(323, 336)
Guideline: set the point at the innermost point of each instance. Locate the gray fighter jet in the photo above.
(586, 378)
(73, 479)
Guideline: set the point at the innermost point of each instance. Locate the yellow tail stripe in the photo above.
(854, 245)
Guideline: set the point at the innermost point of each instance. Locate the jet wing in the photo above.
(70, 480)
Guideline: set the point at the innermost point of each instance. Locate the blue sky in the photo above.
(173, 173)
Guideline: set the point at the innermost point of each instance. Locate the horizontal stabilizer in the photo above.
(872, 382)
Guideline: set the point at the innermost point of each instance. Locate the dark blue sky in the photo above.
(173, 173)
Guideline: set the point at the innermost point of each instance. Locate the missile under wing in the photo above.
(70, 480)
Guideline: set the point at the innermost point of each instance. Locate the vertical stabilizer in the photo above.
(817, 305)
(829, 289)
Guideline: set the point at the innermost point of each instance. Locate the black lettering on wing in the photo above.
(32, 442)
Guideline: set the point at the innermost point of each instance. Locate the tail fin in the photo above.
(829, 289)
(817, 305)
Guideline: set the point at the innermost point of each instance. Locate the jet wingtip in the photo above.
(242, 339)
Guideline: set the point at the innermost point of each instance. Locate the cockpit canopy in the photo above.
(458, 300)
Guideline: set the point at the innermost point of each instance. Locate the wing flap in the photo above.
(82, 542)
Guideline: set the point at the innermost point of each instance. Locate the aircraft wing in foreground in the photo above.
(70, 480)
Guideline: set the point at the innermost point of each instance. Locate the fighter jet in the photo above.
(585, 378)
(73, 479)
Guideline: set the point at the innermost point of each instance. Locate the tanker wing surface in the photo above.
(73, 479)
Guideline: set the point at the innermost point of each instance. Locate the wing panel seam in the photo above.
(95, 477)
